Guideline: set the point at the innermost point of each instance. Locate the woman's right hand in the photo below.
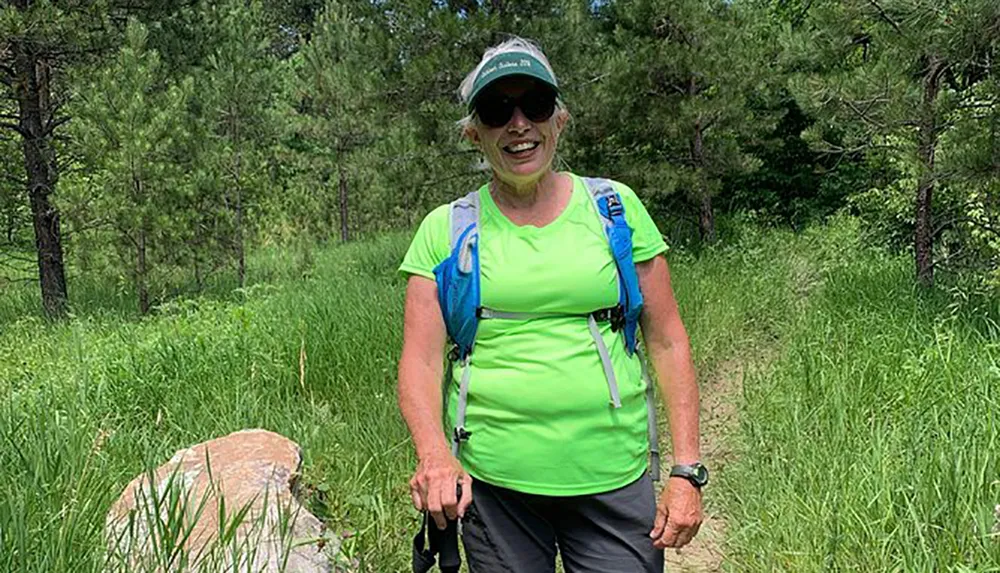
(434, 487)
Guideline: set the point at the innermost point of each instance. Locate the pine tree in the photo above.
(674, 99)
(240, 87)
(338, 97)
(898, 74)
(38, 38)
(130, 120)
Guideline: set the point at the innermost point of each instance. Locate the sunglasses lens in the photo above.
(538, 105)
(494, 111)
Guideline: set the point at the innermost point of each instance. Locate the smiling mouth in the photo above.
(521, 148)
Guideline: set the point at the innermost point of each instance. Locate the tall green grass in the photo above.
(872, 442)
(868, 444)
(89, 403)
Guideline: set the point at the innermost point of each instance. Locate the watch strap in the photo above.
(695, 473)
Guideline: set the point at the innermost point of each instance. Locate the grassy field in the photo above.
(873, 441)
(868, 438)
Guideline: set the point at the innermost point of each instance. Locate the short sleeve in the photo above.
(647, 242)
(430, 245)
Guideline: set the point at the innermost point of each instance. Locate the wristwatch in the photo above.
(695, 473)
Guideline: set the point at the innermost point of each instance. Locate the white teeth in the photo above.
(523, 146)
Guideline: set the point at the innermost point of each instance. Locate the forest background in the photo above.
(203, 205)
(154, 143)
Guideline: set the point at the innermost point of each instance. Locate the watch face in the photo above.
(696, 473)
(700, 474)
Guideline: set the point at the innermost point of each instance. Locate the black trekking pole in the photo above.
(431, 545)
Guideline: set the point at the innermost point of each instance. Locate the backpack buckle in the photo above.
(615, 208)
(453, 354)
(617, 318)
(461, 434)
(615, 315)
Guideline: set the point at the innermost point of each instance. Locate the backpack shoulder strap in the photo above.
(459, 296)
(599, 187)
(464, 212)
(611, 211)
(458, 275)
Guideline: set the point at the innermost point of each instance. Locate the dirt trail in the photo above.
(720, 393)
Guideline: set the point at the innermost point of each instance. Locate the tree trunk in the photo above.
(31, 86)
(241, 261)
(706, 217)
(241, 269)
(344, 235)
(11, 226)
(923, 234)
(141, 270)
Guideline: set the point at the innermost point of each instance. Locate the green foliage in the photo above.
(336, 116)
(55, 24)
(133, 392)
(204, 131)
(907, 80)
(132, 189)
(240, 85)
(864, 367)
(870, 440)
(301, 120)
(15, 241)
(675, 97)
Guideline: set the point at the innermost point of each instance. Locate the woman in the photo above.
(548, 465)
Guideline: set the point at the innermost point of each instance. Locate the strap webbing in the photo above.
(502, 314)
(606, 365)
(651, 429)
(460, 407)
(609, 370)
(449, 377)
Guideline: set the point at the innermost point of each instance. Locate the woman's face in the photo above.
(520, 151)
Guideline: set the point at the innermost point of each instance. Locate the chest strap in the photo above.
(460, 434)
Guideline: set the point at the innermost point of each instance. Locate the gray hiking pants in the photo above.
(507, 531)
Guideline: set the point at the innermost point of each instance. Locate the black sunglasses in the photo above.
(495, 109)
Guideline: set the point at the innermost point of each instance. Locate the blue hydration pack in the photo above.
(459, 294)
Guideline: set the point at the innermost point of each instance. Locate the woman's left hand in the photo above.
(678, 514)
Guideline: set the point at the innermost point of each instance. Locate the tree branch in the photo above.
(886, 17)
(863, 113)
(596, 79)
(97, 224)
(798, 19)
(51, 125)
(977, 105)
(15, 127)
(948, 257)
(449, 178)
(13, 257)
(14, 179)
(8, 280)
(6, 75)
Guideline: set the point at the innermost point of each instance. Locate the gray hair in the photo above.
(514, 44)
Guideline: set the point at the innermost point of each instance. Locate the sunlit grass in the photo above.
(873, 442)
(869, 441)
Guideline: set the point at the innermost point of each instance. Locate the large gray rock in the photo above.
(222, 505)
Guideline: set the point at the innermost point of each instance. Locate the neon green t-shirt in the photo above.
(539, 410)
